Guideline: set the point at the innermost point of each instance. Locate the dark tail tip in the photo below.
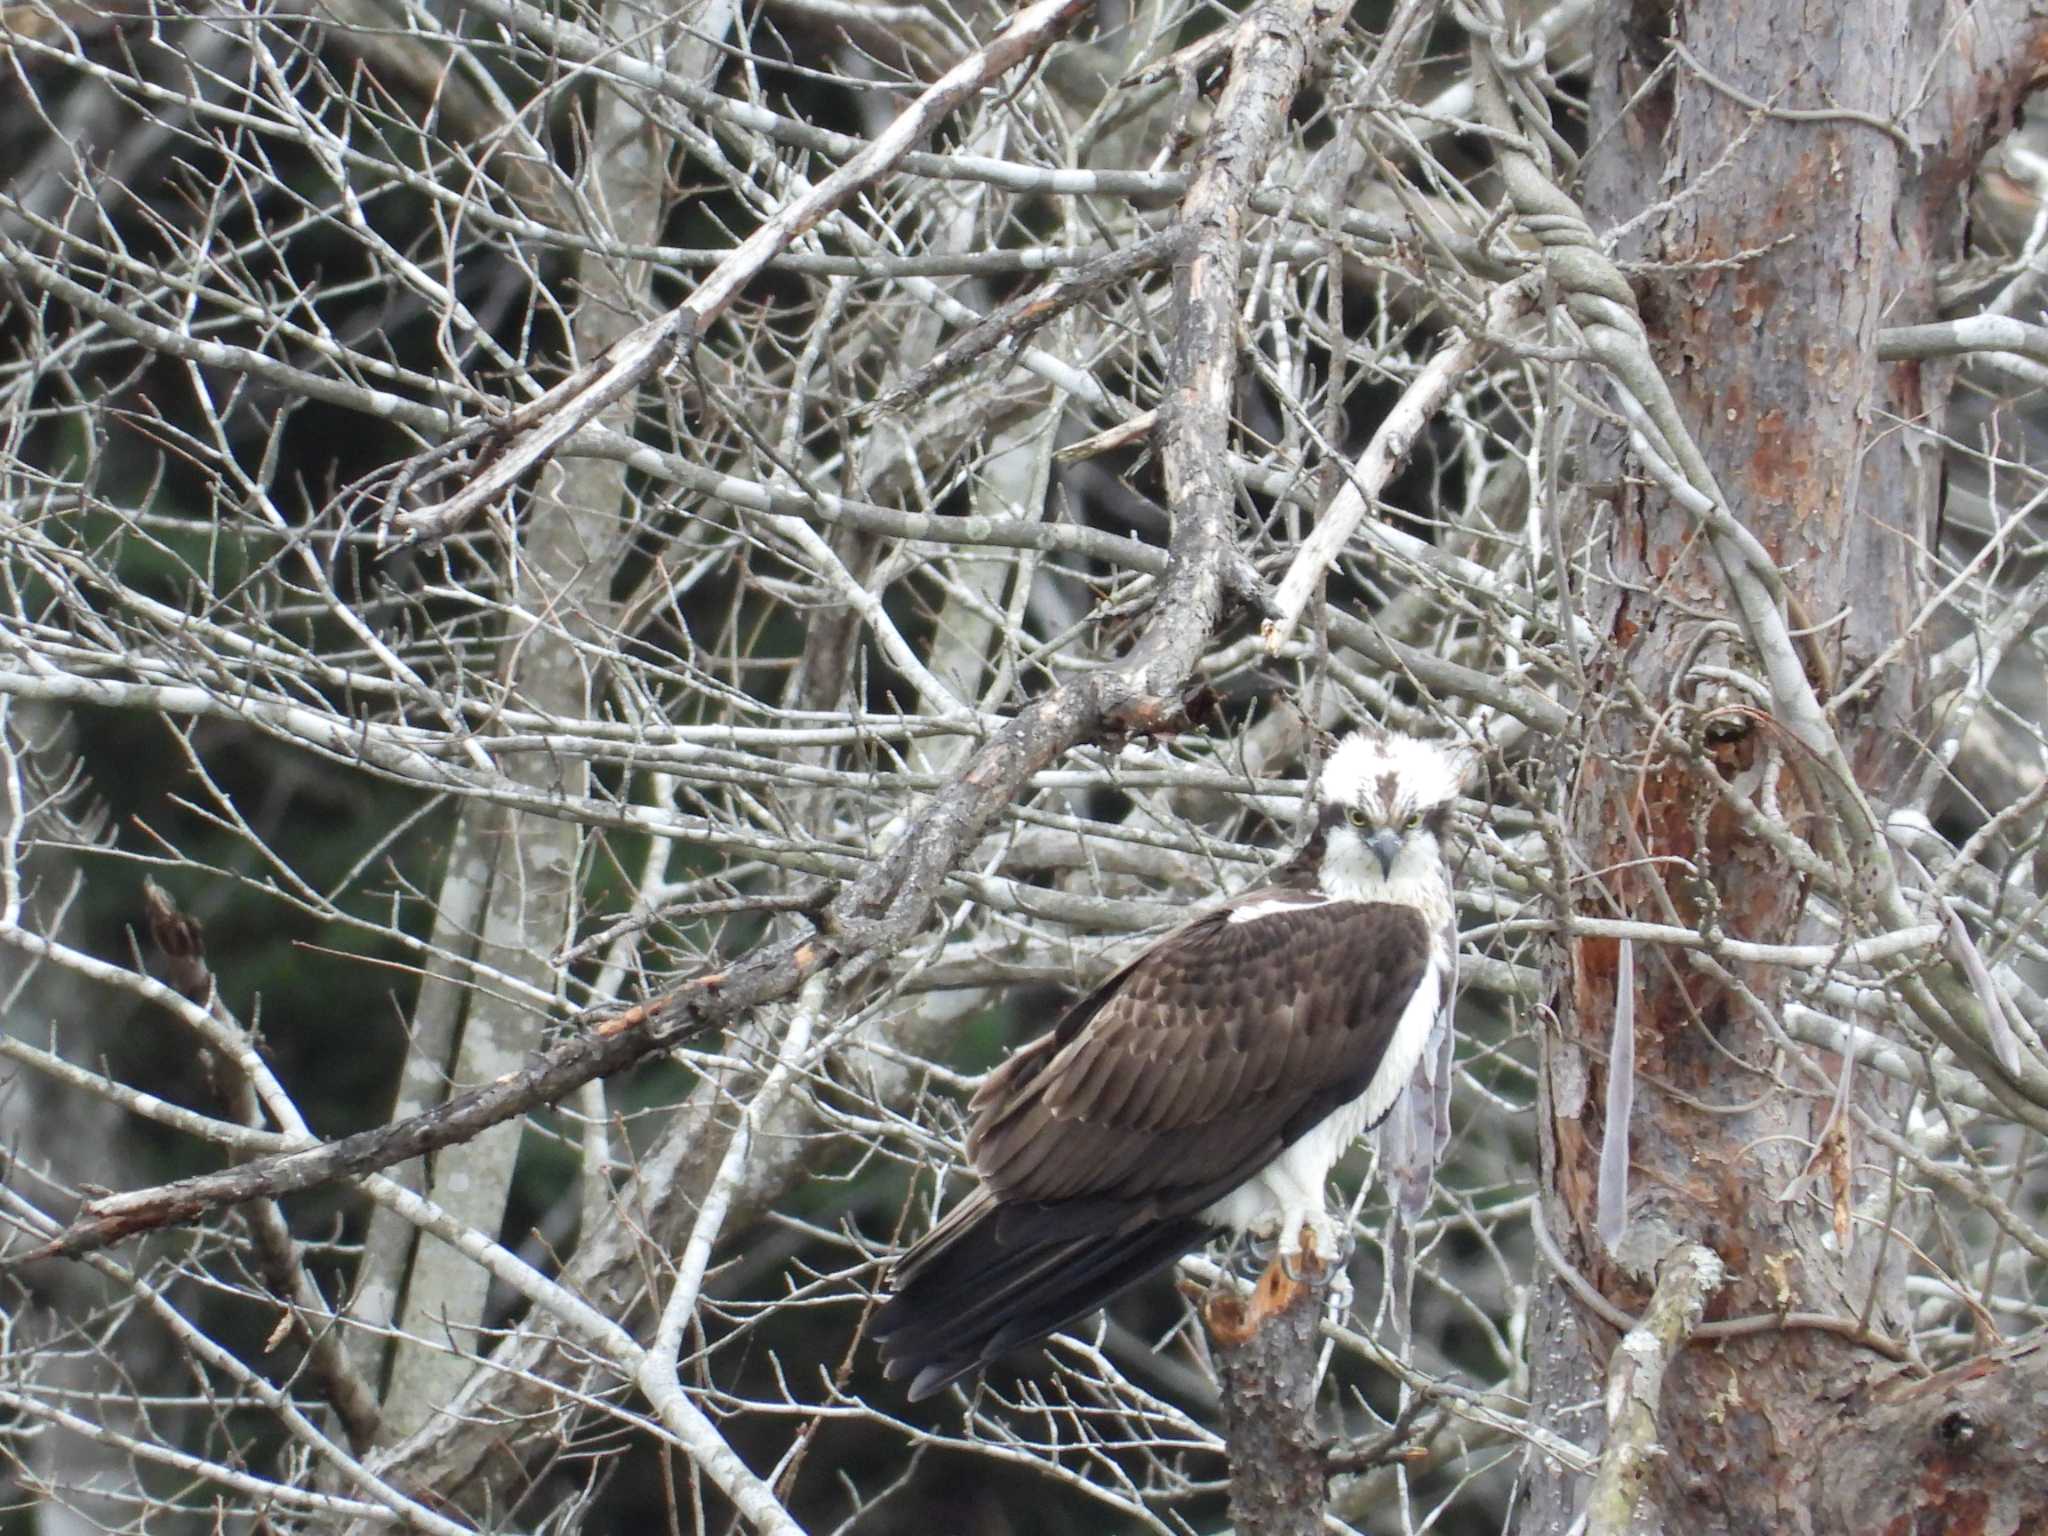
(1002, 1286)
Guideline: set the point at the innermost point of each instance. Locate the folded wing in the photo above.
(1100, 1144)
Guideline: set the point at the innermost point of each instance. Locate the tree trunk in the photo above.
(1783, 246)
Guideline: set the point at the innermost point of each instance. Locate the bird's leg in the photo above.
(1312, 1240)
(1298, 1260)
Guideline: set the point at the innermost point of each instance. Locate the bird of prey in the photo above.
(1208, 1086)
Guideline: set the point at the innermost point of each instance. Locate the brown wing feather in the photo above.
(1188, 1070)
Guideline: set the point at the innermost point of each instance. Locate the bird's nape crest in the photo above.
(1376, 765)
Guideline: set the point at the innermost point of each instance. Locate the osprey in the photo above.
(1210, 1085)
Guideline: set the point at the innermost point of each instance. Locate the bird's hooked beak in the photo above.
(1386, 847)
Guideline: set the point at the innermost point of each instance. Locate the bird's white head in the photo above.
(1384, 802)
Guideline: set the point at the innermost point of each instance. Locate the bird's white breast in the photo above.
(1296, 1180)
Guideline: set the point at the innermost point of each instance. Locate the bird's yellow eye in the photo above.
(1355, 816)
(1414, 820)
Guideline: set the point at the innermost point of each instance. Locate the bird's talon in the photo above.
(1337, 1301)
(1250, 1255)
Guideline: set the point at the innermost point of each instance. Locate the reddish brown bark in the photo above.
(1964, 1453)
(1789, 244)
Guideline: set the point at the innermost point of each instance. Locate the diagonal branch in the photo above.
(1600, 302)
(1635, 1386)
(1276, 1470)
(526, 438)
(871, 918)
(1015, 322)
